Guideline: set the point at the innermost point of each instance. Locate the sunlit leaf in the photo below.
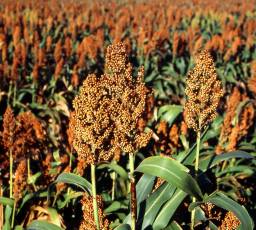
(173, 172)
(71, 178)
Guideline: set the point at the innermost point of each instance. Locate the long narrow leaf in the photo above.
(168, 210)
(211, 161)
(153, 204)
(173, 172)
(117, 168)
(221, 200)
(241, 213)
(6, 201)
(71, 178)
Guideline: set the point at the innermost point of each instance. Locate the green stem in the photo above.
(13, 214)
(70, 166)
(113, 185)
(29, 174)
(9, 93)
(14, 94)
(132, 192)
(196, 174)
(11, 172)
(1, 208)
(94, 194)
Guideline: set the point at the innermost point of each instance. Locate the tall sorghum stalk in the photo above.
(11, 173)
(94, 196)
(11, 186)
(133, 201)
(203, 90)
(196, 174)
(1, 207)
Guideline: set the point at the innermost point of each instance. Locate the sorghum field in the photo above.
(127, 114)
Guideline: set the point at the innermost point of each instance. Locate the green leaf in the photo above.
(32, 179)
(67, 198)
(123, 227)
(173, 172)
(7, 218)
(244, 170)
(221, 200)
(211, 161)
(144, 187)
(42, 225)
(29, 196)
(71, 178)
(117, 168)
(154, 203)
(169, 112)
(168, 210)
(188, 157)
(6, 201)
(116, 205)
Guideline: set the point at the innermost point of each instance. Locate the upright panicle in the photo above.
(203, 92)
(108, 109)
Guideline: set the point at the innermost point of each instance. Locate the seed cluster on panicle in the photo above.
(20, 180)
(108, 109)
(252, 80)
(88, 222)
(203, 90)
(230, 222)
(8, 128)
(23, 134)
(235, 125)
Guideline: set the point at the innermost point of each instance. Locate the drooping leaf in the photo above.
(117, 168)
(71, 178)
(211, 161)
(114, 206)
(169, 112)
(173, 172)
(6, 201)
(222, 201)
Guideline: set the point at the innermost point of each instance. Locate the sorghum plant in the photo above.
(203, 90)
(107, 111)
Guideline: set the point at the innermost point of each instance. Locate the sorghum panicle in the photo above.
(204, 91)
(20, 180)
(88, 218)
(108, 109)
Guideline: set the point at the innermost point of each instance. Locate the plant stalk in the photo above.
(94, 196)
(1, 209)
(133, 193)
(70, 167)
(196, 174)
(113, 185)
(11, 172)
(29, 173)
